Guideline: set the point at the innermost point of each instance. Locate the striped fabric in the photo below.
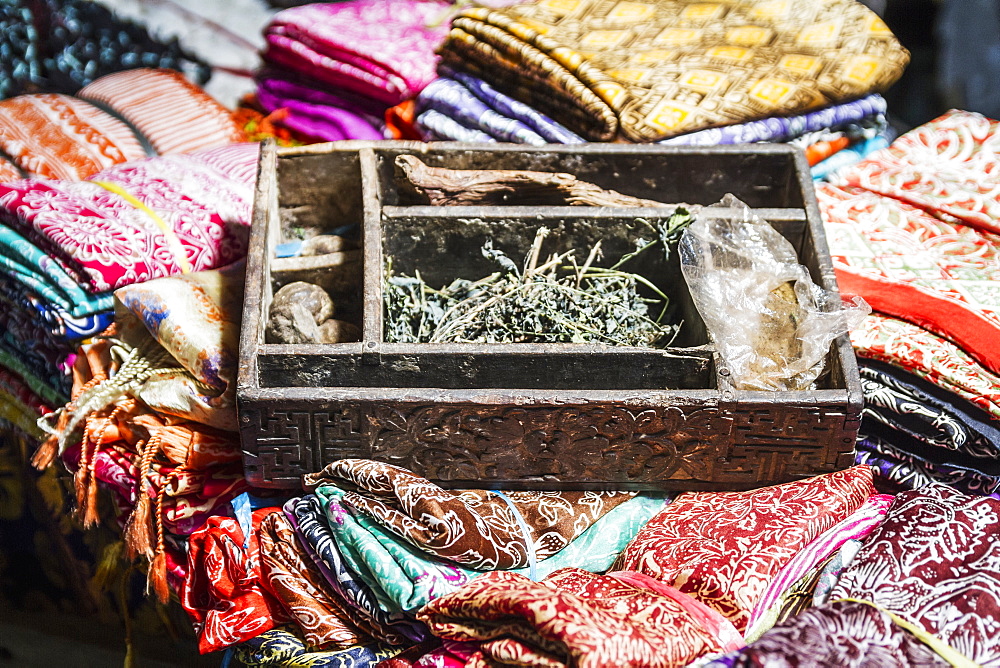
(60, 137)
(175, 115)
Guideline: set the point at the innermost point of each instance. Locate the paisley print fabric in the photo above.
(947, 166)
(317, 542)
(644, 71)
(580, 619)
(380, 49)
(923, 412)
(935, 562)
(298, 586)
(279, 648)
(844, 634)
(724, 548)
(404, 578)
(910, 264)
(201, 209)
(855, 527)
(475, 528)
(903, 462)
(928, 356)
(223, 593)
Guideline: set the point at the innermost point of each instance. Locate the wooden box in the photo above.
(522, 416)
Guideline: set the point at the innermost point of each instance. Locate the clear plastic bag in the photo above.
(771, 324)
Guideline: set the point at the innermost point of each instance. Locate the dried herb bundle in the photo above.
(552, 301)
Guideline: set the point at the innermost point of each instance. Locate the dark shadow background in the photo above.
(955, 58)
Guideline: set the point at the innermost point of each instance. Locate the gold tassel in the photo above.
(157, 575)
(138, 527)
(46, 453)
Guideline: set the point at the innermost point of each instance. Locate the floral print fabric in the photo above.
(475, 528)
(577, 618)
(935, 561)
(929, 356)
(909, 263)
(724, 548)
(201, 209)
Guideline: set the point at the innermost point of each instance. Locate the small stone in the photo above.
(312, 297)
(324, 244)
(293, 323)
(339, 331)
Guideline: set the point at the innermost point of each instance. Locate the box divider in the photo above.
(371, 197)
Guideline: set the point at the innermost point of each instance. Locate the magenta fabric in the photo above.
(382, 49)
(203, 201)
(319, 114)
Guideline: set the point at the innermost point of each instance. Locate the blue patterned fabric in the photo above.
(307, 516)
(278, 648)
(783, 128)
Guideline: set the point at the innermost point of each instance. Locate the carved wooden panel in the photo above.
(553, 443)
(290, 443)
(776, 443)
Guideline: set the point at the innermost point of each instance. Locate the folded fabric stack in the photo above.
(118, 118)
(337, 67)
(66, 245)
(688, 72)
(913, 230)
(153, 416)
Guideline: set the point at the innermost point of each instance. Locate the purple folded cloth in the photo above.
(319, 114)
(782, 128)
(381, 49)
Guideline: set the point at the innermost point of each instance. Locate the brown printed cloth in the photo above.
(724, 548)
(576, 618)
(935, 562)
(643, 71)
(293, 579)
(476, 528)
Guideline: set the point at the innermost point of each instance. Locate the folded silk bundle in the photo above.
(484, 530)
(69, 240)
(928, 356)
(577, 618)
(926, 583)
(644, 71)
(118, 118)
(723, 548)
(382, 49)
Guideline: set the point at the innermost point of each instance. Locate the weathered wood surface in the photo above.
(470, 187)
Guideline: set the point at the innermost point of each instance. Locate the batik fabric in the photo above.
(476, 528)
(724, 548)
(577, 618)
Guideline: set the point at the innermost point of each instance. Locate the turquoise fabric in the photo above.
(405, 579)
(40, 273)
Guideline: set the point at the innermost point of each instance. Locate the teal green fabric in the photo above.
(404, 579)
(40, 273)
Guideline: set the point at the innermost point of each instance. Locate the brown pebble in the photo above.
(313, 297)
(339, 331)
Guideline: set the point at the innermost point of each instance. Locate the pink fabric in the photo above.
(858, 525)
(382, 49)
(205, 198)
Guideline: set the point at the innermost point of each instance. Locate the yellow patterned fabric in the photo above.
(643, 71)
